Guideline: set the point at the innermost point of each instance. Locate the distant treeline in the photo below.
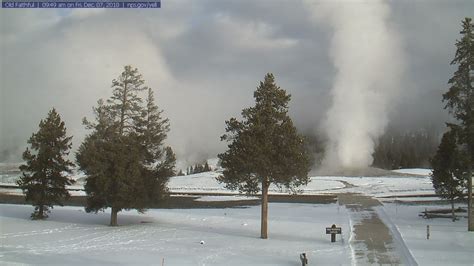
(395, 149)
(410, 149)
(198, 168)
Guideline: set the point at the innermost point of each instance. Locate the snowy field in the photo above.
(374, 186)
(417, 182)
(230, 236)
(395, 185)
(449, 243)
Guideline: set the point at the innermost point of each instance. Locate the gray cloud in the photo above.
(204, 59)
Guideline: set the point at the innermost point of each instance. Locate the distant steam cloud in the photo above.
(366, 53)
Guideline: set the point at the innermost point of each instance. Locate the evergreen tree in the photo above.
(460, 96)
(154, 129)
(198, 168)
(206, 167)
(264, 148)
(165, 167)
(449, 175)
(126, 164)
(44, 177)
(160, 160)
(125, 103)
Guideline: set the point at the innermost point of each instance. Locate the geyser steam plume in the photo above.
(367, 56)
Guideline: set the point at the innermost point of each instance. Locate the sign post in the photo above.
(333, 230)
(470, 207)
(304, 259)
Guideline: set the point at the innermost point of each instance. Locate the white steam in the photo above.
(367, 56)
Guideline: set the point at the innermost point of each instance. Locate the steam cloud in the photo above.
(367, 57)
(204, 61)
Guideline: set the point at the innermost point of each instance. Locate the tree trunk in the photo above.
(41, 212)
(113, 216)
(452, 210)
(264, 218)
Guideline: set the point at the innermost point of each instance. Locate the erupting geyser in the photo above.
(367, 56)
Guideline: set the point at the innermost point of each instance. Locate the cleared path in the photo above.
(372, 242)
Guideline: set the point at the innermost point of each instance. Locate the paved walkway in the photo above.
(372, 242)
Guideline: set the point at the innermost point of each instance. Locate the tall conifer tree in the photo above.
(264, 148)
(44, 177)
(126, 164)
(460, 96)
(460, 101)
(449, 170)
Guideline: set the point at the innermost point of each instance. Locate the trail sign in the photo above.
(333, 230)
(336, 230)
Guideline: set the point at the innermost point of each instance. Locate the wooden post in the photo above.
(333, 235)
(470, 207)
(264, 218)
(427, 232)
(304, 259)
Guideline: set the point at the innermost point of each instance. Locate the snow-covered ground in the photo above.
(226, 198)
(449, 242)
(414, 171)
(380, 186)
(230, 236)
(375, 186)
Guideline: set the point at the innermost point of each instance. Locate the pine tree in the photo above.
(165, 168)
(126, 165)
(125, 104)
(198, 168)
(264, 148)
(155, 129)
(44, 177)
(449, 175)
(206, 167)
(460, 96)
(460, 99)
(161, 160)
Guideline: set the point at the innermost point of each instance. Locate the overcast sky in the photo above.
(204, 59)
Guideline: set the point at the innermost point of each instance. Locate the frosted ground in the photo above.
(230, 236)
(418, 183)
